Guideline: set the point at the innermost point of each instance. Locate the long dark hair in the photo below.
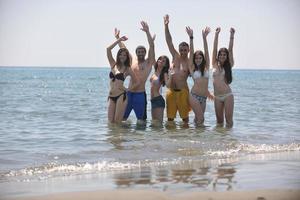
(226, 65)
(200, 67)
(127, 62)
(164, 70)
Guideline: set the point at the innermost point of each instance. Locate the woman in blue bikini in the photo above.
(120, 69)
(199, 70)
(222, 77)
(159, 79)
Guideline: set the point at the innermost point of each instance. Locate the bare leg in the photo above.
(111, 111)
(197, 109)
(120, 109)
(203, 106)
(219, 110)
(158, 114)
(229, 105)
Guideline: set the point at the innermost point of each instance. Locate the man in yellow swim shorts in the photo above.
(177, 97)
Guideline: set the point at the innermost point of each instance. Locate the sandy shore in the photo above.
(157, 195)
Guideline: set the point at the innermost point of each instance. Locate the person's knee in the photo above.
(220, 120)
(198, 120)
(118, 119)
(229, 122)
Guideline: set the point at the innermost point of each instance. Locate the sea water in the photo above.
(55, 137)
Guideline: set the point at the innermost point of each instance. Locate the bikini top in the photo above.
(119, 76)
(197, 74)
(220, 73)
(217, 72)
(157, 81)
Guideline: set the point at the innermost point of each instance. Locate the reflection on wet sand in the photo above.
(224, 176)
(219, 178)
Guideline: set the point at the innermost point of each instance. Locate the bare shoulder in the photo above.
(134, 64)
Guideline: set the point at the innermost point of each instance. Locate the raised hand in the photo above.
(189, 31)
(123, 38)
(205, 31)
(145, 26)
(218, 30)
(117, 33)
(232, 31)
(166, 19)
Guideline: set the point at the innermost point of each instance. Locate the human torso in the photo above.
(200, 86)
(220, 85)
(117, 78)
(155, 86)
(142, 72)
(181, 72)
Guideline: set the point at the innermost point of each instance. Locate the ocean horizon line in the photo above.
(95, 67)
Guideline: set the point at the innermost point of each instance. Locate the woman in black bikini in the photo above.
(120, 69)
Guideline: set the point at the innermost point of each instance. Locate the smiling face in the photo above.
(183, 51)
(198, 58)
(123, 57)
(140, 53)
(161, 62)
(222, 55)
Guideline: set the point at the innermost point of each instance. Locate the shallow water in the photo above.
(53, 129)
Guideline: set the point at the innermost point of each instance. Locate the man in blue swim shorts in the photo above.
(137, 99)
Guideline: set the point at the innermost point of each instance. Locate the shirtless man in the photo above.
(137, 99)
(178, 93)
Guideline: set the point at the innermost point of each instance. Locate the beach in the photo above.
(275, 194)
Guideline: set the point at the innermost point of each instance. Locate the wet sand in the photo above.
(274, 194)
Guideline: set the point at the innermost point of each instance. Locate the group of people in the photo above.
(185, 62)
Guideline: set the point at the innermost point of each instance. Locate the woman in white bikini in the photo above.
(159, 79)
(199, 70)
(222, 77)
(120, 69)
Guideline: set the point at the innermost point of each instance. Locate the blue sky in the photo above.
(76, 33)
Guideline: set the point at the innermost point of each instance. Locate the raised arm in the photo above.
(215, 48)
(121, 44)
(151, 53)
(191, 57)
(205, 32)
(111, 60)
(169, 38)
(117, 36)
(230, 48)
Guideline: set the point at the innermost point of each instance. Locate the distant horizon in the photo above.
(239, 68)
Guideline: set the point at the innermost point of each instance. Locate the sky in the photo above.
(76, 33)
